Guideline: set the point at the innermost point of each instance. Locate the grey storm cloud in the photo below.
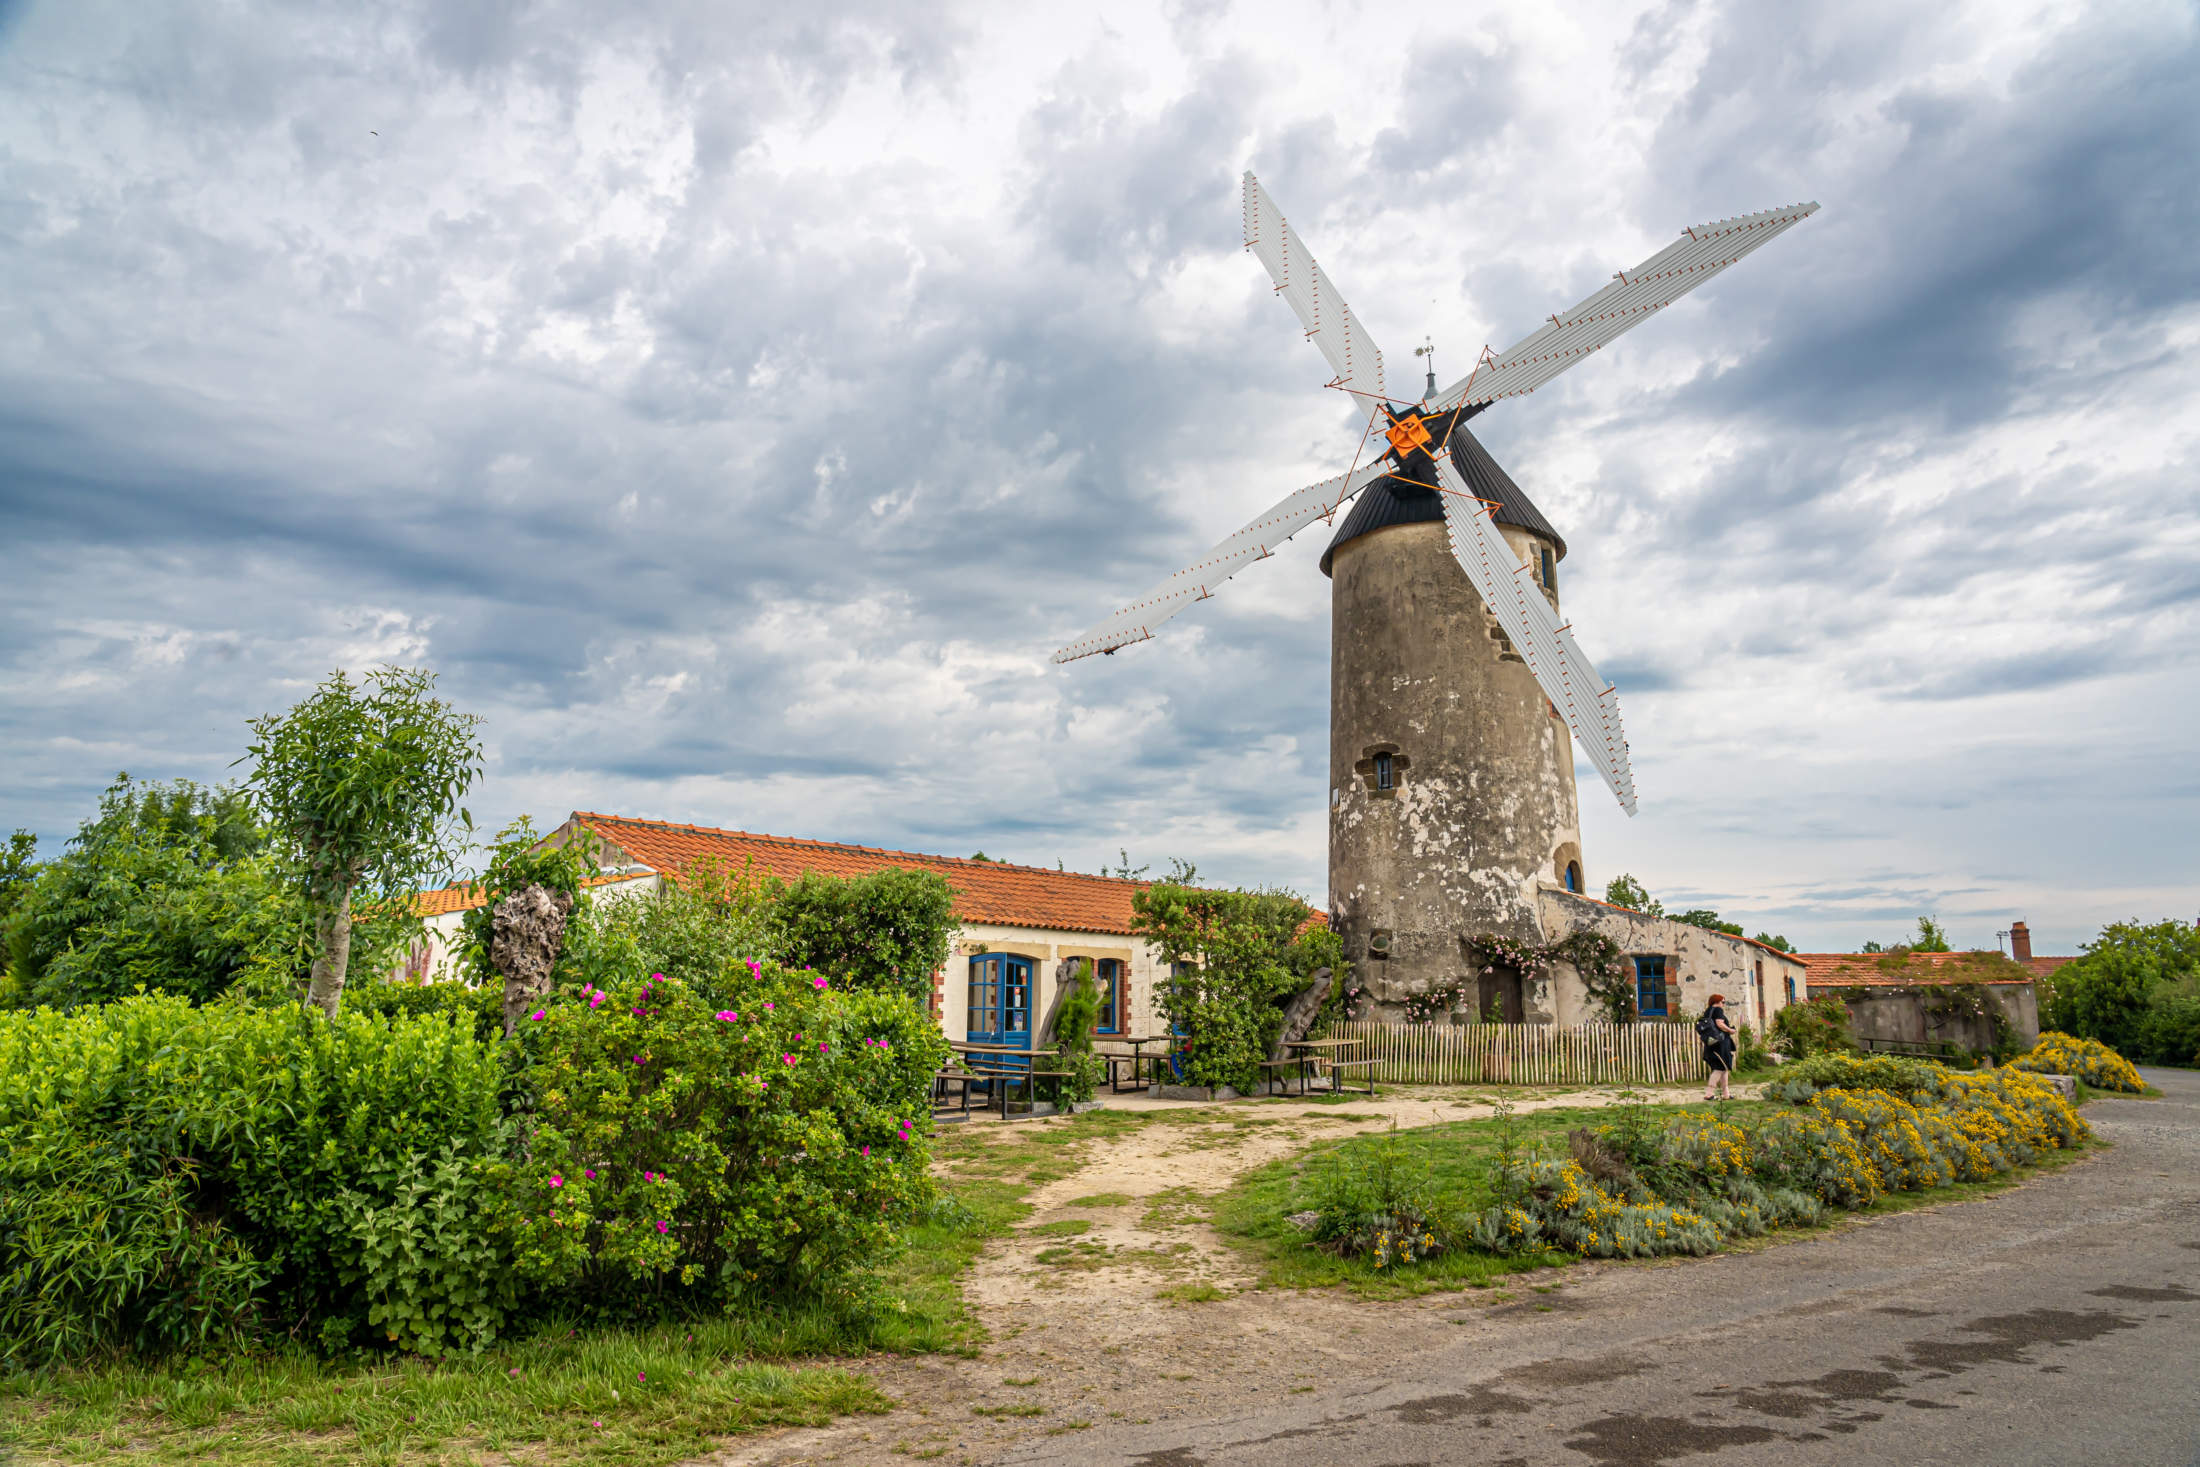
(737, 405)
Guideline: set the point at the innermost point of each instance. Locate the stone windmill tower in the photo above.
(1457, 692)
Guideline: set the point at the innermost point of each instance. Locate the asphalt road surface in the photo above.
(2058, 1323)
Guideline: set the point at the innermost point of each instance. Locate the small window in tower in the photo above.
(1573, 876)
(1550, 569)
(1386, 773)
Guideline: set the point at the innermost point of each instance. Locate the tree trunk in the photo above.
(1299, 1014)
(332, 925)
(528, 931)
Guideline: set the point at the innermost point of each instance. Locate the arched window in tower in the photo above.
(1573, 876)
(1550, 570)
(1386, 772)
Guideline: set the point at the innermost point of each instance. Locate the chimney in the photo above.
(2020, 943)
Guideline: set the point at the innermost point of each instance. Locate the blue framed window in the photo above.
(1573, 876)
(1386, 773)
(1791, 987)
(1107, 976)
(1650, 997)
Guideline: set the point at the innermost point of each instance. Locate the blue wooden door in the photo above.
(1000, 1000)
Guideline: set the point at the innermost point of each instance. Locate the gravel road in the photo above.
(2055, 1323)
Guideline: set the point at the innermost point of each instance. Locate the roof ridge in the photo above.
(840, 845)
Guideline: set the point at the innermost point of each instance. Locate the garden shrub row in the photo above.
(2088, 1060)
(1696, 1182)
(1636, 1188)
(174, 1176)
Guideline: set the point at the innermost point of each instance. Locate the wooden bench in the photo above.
(1134, 1063)
(1002, 1077)
(1337, 1068)
(961, 1080)
(1301, 1063)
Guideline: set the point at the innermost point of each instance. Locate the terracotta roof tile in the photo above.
(462, 898)
(985, 891)
(1897, 970)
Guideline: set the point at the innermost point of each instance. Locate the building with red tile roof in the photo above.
(1889, 996)
(1023, 927)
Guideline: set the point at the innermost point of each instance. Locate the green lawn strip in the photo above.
(639, 1397)
(1457, 1158)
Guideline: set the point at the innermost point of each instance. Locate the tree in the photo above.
(1774, 942)
(1624, 891)
(697, 930)
(18, 869)
(1707, 919)
(169, 887)
(364, 782)
(889, 929)
(1931, 937)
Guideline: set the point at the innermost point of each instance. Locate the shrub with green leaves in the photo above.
(1909, 1078)
(887, 929)
(206, 1152)
(682, 1154)
(1237, 956)
(1814, 1026)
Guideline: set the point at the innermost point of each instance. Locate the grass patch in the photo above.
(1103, 1199)
(1191, 1293)
(1020, 1408)
(1068, 1227)
(633, 1397)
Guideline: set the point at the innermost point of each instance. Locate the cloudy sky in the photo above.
(736, 403)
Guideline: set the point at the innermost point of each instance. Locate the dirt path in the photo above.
(1116, 1302)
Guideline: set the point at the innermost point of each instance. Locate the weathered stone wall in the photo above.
(1485, 796)
(1703, 962)
(1899, 1014)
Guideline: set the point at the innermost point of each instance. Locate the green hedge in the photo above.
(174, 1176)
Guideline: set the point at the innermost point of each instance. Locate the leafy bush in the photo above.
(1909, 1078)
(480, 1009)
(2088, 1059)
(205, 1154)
(685, 1155)
(2171, 1033)
(1378, 1208)
(889, 929)
(1814, 1026)
(1237, 956)
(432, 1277)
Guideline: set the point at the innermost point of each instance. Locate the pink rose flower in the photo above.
(590, 1174)
(556, 1180)
(817, 982)
(536, 1016)
(788, 1058)
(726, 1016)
(664, 1227)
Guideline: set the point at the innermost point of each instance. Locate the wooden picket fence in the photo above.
(1529, 1054)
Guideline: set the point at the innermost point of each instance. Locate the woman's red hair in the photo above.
(1715, 998)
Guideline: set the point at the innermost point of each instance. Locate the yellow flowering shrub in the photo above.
(2088, 1059)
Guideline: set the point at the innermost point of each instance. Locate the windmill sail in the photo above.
(1589, 705)
(1196, 582)
(1702, 251)
(1329, 322)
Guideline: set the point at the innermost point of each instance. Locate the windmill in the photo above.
(1415, 443)
(1454, 679)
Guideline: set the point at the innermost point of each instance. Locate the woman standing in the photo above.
(1718, 1047)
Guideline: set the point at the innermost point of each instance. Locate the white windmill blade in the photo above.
(1589, 705)
(1634, 296)
(1196, 582)
(1329, 322)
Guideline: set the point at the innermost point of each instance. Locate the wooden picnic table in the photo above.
(986, 1062)
(1333, 1053)
(1137, 1056)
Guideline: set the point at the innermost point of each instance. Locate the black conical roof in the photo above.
(1392, 500)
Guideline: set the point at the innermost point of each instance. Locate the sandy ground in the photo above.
(1119, 1322)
